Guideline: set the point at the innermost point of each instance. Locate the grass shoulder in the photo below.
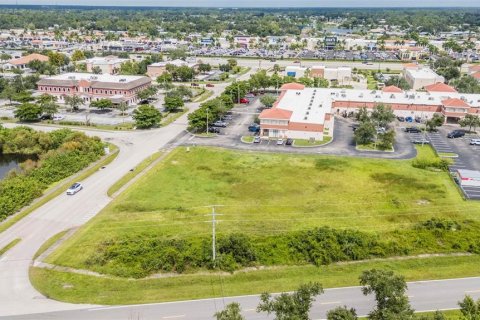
(308, 143)
(9, 246)
(76, 288)
(132, 174)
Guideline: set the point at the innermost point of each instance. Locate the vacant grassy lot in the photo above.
(261, 196)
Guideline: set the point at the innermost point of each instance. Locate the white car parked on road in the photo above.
(475, 142)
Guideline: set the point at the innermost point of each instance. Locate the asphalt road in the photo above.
(423, 295)
(17, 295)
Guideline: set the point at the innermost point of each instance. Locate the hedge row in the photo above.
(137, 257)
(60, 154)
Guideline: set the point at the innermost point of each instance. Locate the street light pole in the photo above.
(207, 121)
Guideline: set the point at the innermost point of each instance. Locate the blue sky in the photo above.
(258, 3)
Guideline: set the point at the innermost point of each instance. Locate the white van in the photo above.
(475, 142)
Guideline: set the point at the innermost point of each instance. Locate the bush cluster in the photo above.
(139, 257)
(59, 154)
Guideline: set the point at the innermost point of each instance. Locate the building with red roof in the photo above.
(440, 87)
(392, 89)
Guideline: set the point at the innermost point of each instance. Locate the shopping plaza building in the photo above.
(307, 113)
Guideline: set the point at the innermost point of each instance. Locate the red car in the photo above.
(244, 100)
(209, 85)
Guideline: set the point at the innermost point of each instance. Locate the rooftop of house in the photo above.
(95, 80)
(29, 58)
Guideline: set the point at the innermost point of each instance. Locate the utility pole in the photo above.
(214, 233)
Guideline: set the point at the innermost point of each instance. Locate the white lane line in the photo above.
(332, 302)
(249, 310)
(473, 291)
(174, 317)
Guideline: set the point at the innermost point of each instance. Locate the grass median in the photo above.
(9, 246)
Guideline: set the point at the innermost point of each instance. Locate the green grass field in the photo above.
(257, 195)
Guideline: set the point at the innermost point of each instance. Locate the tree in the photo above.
(268, 100)
(362, 115)
(102, 104)
(147, 93)
(146, 116)
(78, 55)
(320, 82)
(399, 82)
(173, 103)
(386, 140)
(470, 121)
(164, 78)
(342, 313)
(365, 133)
(466, 84)
(231, 312)
(232, 63)
(185, 73)
(74, 102)
(469, 308)
(122, 107)
(28, 112)
(48, 104)
(389, 290)
(23, 96)
(204, 67)
(382, 115)
(436, 121)
(97, 70)
(175, 54)
(8, 93)
(5, 57)
(291, 306)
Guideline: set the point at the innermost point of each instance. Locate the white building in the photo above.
(421, 77)
(331, 73)
(295, 71)
(107, 65)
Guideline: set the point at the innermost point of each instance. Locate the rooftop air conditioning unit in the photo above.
(430, 98)
(71, 77)
(392, 96)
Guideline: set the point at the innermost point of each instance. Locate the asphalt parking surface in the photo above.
(468, 156)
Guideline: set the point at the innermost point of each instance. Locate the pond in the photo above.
(9, 162)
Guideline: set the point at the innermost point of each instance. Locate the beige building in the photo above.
(421, 77)
(22, 63)
(108, 65)
(157, 69)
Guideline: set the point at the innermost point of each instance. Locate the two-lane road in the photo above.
(423, 295)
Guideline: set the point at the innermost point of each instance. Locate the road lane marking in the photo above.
(473, 291)
(174, 317)
(332, 302)
(249, 310)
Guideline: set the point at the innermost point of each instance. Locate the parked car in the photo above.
(296, 61)
(475, 142)
(256, 139)
(58, 118)
(76, 187)
(289, 142)
(244, 100)
(227, 117)
(46, 117)
(254, 127)
(280, 142)
(409, 119)
(213, 130)
(209, 85)
(220, 124)
(381, 130)
(418, 119)
(456, 134)
(412, 130)
(194, 84)
(401, 119)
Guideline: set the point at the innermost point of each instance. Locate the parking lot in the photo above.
(468, 155)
